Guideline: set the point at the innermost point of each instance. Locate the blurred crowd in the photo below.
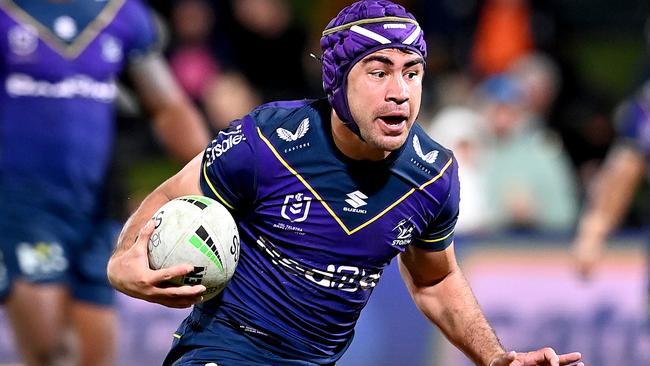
(502, 91)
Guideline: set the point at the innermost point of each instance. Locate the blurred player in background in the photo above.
(326, 193)
(616, 183)
(59, 62)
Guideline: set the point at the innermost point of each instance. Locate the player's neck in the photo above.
(351, 145)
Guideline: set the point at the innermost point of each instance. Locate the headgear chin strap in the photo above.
(357, 31)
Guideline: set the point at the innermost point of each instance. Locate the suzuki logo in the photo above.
(288, 136)
(429, 157)
(356, 199)
(296, 207)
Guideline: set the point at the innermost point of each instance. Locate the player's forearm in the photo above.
(179, 125)
(139, 218)
(185, 182)
(611, 194)
(451, 305)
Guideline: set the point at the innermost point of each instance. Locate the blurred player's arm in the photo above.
(128, 268)
(608, 200)
(178, 124)
(440, 290)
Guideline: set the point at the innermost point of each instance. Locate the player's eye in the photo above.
(412, 75)
(378, 74)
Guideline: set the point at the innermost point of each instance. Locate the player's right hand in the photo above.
(542, 357)
(587, 254)
(129, 273)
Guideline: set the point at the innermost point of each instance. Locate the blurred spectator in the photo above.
(463, 131)
(267, 45)
(190, 56)
(539, 78)
(503, 34)
(529, 180)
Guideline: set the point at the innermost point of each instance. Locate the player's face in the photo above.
(384, 94)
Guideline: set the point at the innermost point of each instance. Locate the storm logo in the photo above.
(404, 230)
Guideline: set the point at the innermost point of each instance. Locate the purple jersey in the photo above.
(635, 122)
(58, 65)
(317, 228)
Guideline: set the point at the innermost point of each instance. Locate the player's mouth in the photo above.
(393, 123)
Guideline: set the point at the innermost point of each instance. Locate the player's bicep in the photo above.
(422, 268)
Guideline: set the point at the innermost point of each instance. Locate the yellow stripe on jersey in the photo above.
(435, 240)
(444, 169)
(205, 175)
(328, 208)
(304, 182)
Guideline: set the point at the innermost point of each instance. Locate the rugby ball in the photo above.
(196, 230)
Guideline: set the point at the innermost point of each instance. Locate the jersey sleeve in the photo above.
(229, 166)
(440, 232)
(144, 35)
(632, 123)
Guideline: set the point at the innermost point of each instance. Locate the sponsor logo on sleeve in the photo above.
(224, 142)
(429, 157)
(289, 136)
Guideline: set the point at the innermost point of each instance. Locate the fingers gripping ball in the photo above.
(196, 230)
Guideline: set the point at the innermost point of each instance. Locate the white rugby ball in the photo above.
(196, 230)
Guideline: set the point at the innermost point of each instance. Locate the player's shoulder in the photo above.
(291, 122)
(284, 113)
(423, 160)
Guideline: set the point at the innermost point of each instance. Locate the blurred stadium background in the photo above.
(525, 92)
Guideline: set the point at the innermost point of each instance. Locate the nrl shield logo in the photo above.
(296, 207)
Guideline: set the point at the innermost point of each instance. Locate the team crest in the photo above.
(41, 259)
(296, 207)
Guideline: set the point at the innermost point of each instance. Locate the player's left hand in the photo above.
(542, 357)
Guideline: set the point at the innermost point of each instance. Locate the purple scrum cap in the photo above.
(357, 31)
